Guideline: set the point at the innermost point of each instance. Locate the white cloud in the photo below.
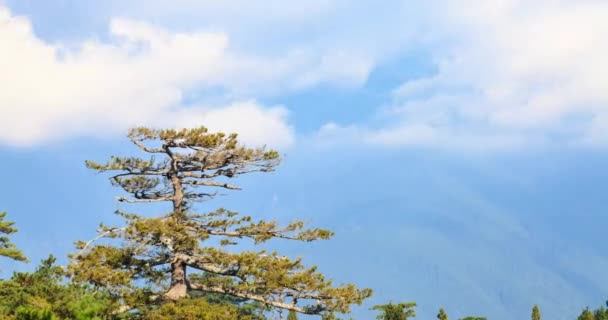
(421, 135)
(508, 71)
(258, 125)
(144, 74)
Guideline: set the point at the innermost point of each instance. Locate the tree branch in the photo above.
(99, 236)
(123, 199)
(210, 184)
(141, 173)
(252, 233)
(201, 264)
(282, 305)
(222, 172)
(145, 148)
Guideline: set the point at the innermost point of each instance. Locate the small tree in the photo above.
(397, 311)
(535, 313)
(8, 249)
(586, 314)
(156, 252)
(442, 315)
(597, 314)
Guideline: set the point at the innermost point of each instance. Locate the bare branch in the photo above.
(123, 199)
(145, 148)
(200, 263)
(252, 233)
(210, 184)
(101, 234)
(141, 173)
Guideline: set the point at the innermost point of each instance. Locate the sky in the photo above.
(457, 148)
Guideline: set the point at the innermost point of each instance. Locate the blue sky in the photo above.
(456, 147)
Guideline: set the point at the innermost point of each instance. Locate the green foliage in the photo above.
(43, 294)
(473, 318)
(398, 311)
(195, 309)
(24, 313)
(586, 314)
(8, 249)
(535, 313)
(153, 254)
(255, 310)
(442, 315)
(597, 314)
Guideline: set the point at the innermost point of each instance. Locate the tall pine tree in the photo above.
(154, 257)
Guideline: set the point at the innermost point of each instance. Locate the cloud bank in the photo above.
(508, 73)
(147, 75)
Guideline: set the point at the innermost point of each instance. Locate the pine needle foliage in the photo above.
(7, 248)
(172, 256)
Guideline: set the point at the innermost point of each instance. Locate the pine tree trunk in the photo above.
(179, 281)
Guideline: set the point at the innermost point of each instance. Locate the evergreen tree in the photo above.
(44, 294)
(597, 314)
(151, 261)
(601, 314)
(442, 315)
(586, 314)
(398, 311)
(535, 313)
(8, 249)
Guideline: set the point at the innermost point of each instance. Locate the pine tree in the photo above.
(600, 313)
(396, 311)
(442, 315)
(535, 313)
(151, 260)
(586, 314)
(8, 249)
